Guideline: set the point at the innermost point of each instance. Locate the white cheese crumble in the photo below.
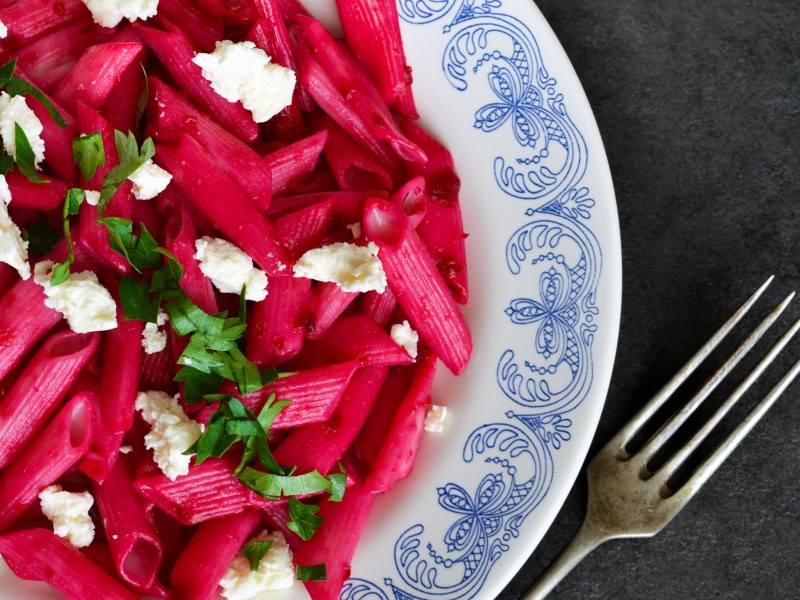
(171, 431)
(13, 249)
(354, 268)
(84, 302)
(435, 418)
(275, 571)
(229, 268)
(149, 180)
(92, 197)
(69, 513)
(125, 449)
(109, 13)
(154, 340)
(16, 111)
(403, 335)
(355, 229)
(3, 31)
(241, 72)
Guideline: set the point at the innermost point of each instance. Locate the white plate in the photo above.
(493, 83)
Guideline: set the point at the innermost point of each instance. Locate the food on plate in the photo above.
(230, 262)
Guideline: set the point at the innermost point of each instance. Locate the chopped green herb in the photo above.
(130, 159)
(136, 300)
(304, 520)
(141, 250)
(41, 237)
(272, 486)
(197, 384)
(312, 573)
(19, 87)
(7, 72)
(338, 484)
(141, 104)
(26, 159)
(255, 551)
(72, 206)
(89, 154)
(6, 163)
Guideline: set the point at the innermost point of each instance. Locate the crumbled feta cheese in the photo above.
(69, 513)
(241, 72)
(229, 268)
(108, 13)
(275, 571)
(154, 340)
(171, 431)
(16, 111)
(125, 449)
(13, 249)
(149, 180)
(403, 335)
(435, 418)
(355, 229)
(3, 31)
(92, 197)
(354, 268)
(86, 305)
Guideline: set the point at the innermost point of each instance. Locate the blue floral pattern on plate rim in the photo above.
(555, 250)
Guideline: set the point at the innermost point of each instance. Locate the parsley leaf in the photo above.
(41, 237)
(272, 486)
(6, 163)
(7, 72)
(89, 154)
(304, 520)
(130, 159)
(197, 384)
(312, 573)
(338, 484)
(136, 301)
(141, 251)
(18, 87)
(255, 551)
(72, 205)
(26, 159)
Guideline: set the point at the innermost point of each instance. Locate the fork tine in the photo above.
(668, 469)
(630, 429)
(712, 463)
(679, 418)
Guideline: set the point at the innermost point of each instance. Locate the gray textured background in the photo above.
(697, 103)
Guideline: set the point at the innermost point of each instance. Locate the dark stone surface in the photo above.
(697, 102)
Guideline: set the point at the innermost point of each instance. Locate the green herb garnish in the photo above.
(304, 520)
(255, 551)
(131, 157)
(312, 573)
(72, 205)
(41, 237)
(89, 154)
(26, 158)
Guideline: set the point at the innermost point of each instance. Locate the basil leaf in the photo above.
(304, 520)
(18, 87)
(26, 159)
(312, 573)
(255, 551)
(136, 301)
(89, 154)
(41, 237)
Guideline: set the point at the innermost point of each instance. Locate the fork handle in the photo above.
(587, 539)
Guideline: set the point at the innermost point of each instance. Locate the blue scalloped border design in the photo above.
(550, 374)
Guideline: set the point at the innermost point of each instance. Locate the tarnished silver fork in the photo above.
(626, 498)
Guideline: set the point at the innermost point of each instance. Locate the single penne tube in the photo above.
(348, 206)
(40, 555)
(321, 445)
(378, 307)
(28, 21)
(197, 572)
(24, 319)
(402, 438)
(63, 442)
(207, 492)
(176, 53)
(354, 337)
(48, 60)
(327, 303)
(203, 31)
(306, 228)
(294, 161)
(334, 543)
(414, 279)
(26, 194)
(39, 389)
(204, 183)
(97, 72)
(135, 546)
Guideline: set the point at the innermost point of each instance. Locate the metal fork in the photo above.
(626, 498)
